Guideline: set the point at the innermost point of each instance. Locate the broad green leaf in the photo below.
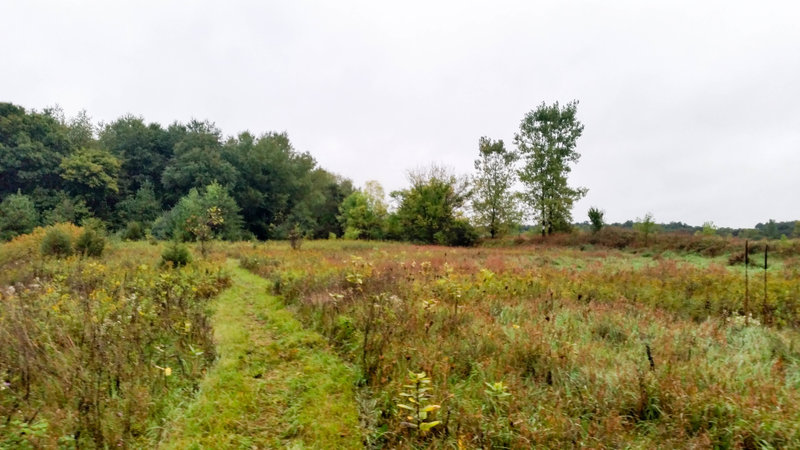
(424, 427)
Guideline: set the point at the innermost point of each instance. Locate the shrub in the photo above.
(176, 254)
(459, 233)
(56, 243)
(133, 232)
(90, 243)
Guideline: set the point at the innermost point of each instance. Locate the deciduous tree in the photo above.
(429, 210)
(494, 204)
(596, 218)
(546, 141)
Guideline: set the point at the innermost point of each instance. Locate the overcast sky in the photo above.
(691, 109)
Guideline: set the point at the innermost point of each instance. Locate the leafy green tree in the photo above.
(771, 230)
(709, 229)
(494, 203)
(646, 226)
(32, 146)
(81, 130)
(376, 197)
(279, 187)
(316, 205)
(67, 209)
(143, 149)
(429, 209)
(17, 216)
(596, 218)
(194, 208)
(331, 194)
(197, 161)
(142, 207)
(360, 217)
(546, 143)
(92, 171)
(92, 174)
(796, 231)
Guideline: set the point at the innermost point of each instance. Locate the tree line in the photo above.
(137, 177)
(129, 173)
(187, 181)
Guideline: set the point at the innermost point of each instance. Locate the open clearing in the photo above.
(334, 345)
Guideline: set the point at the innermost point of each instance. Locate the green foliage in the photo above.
(494, 204)
(17, 216)
(143, 151)
(546, 143)
(197, 162)
(80, 130)
(770, 230)
(416, 405)
(203, 227)
(56, 243)
(458, 233)
(709, 229)
(176, 255)
(19, 434)
(279, 187)
(363, 214)
(90, 242)
(134, 231)
(142, 207)
(596, 218)
(428, 210)
(497, 395)
(191, 216)
(32, 145)
(92, 173)
(645, 226)
(97, 353)
(67, 209)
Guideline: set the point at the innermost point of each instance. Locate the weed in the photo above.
(418, 411)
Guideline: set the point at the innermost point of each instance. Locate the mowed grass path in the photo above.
(275, 383)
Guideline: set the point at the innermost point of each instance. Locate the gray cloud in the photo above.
(691, 108)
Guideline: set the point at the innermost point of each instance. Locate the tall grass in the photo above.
(591, 351)
(95, 352)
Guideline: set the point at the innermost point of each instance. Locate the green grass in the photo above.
(600, 348)
(275, 384)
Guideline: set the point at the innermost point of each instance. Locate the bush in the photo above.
(133, 232)
(459, 233)
(90, 243)
(56, 243)
(176, 254)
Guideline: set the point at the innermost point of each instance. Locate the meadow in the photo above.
(97, 351)
(552, 347)
(516, 346)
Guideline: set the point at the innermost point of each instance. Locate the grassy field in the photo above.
(552, 347)
(346, 344)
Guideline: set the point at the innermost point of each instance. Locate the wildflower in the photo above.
(167, 371)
